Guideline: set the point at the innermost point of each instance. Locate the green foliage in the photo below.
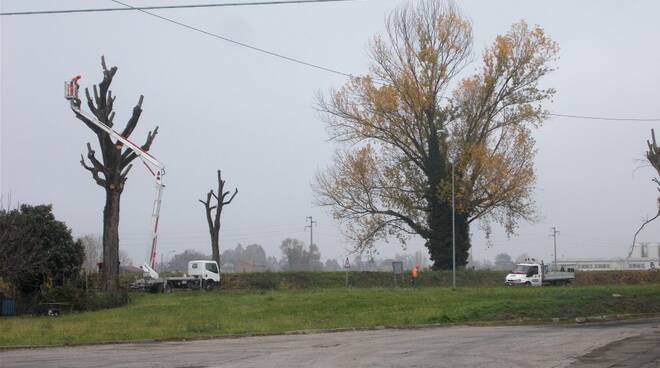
(36, 249)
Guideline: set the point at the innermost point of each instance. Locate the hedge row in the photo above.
(303, 280)
(617, 277)
(70, 297)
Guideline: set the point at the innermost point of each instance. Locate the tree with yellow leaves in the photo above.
(403, 127)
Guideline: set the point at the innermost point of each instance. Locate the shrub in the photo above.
(77, 298)
(37, 249)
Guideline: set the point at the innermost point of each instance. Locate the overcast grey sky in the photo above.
(220, 106)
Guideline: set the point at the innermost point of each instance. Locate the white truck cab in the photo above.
(205, 270)
(536, 274)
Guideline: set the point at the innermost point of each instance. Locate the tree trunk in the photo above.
(110, 272)
(215, 246)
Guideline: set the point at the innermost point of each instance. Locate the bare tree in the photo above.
(92, 250)
(653, 156)
(124, 259)
(213, 219)
(111, 171)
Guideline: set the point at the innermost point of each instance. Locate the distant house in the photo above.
(645, 256)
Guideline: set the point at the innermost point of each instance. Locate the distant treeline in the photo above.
(295, 256)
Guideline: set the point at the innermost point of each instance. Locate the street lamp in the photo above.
(453, 218)
(453, 228)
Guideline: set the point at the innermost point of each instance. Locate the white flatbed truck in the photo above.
(201, 275)
(533, 273)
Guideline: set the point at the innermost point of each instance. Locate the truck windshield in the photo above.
(521, 269)
(212, 267)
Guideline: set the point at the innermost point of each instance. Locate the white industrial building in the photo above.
(645, 256)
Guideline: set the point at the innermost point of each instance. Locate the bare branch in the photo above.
(132, 122)
(96, 167)
(129, 155)
(640, 229)
(124, 172)
(230, 199)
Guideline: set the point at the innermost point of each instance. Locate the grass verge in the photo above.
(210, 314)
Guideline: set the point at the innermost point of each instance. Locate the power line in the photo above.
(272, 53)
(606, 118)
(189, 6)
(242, 44)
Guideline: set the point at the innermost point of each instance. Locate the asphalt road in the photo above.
(619, 344)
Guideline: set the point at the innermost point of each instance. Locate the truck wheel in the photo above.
(528, 283)
(208, 284)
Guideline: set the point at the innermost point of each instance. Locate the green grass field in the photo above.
(189, 314)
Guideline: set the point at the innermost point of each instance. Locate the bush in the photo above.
(73, 297)
(37, 249)
(126, 279)
(85, 300)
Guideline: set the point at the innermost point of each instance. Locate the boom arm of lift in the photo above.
(155, 167)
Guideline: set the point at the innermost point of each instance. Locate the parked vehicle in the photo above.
(201, 275)
(535, 273)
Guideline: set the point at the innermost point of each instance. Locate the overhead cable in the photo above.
(188, 6)
(242, 44)
(272, 53)
(606, 118)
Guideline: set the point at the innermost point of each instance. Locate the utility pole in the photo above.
(311, 229)
(554, 235)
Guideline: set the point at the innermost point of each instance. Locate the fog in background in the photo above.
(220, 106)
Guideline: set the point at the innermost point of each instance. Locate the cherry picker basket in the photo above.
(71, 88)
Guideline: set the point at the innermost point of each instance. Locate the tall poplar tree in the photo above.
(416, 114)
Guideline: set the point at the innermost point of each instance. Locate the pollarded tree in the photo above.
(653, 156)
(406, 129)
(111, 171)
(213, 218)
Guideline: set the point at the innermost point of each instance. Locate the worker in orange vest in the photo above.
(415, 279)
